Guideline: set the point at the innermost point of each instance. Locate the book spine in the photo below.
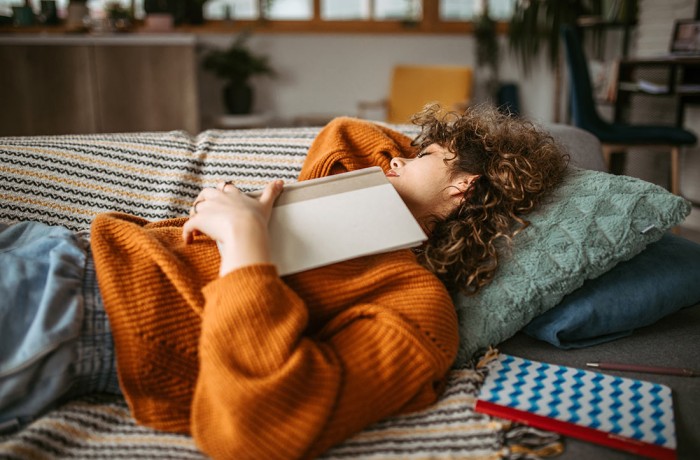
(577, 431)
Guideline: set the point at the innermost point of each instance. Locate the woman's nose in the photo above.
(397, 162)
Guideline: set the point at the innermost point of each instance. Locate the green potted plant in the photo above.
(119, 17)
(487, 51)
(535, 25)
(236, 65)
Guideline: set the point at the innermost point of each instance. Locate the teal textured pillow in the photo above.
(590, 223)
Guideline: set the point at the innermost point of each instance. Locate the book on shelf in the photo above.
(604, 80)
(614, 8)
(649, 87)
(321, 221)
(618, 412)
(645, 86)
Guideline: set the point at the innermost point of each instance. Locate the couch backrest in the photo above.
(67, 180)
(585, 149)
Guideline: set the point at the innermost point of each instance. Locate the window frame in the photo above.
(430, 23)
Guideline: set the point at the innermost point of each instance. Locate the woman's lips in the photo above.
(391, 173)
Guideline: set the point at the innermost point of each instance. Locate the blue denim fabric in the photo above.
(41, 317)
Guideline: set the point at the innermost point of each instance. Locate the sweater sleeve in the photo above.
(347, 144)
(271, 387)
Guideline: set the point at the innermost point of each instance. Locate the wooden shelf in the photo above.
(602, 23)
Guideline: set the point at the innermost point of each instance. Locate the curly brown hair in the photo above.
(517, 162)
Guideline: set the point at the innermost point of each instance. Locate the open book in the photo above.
(331, 219)
(623, 413)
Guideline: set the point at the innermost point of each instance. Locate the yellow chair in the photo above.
(414, 86)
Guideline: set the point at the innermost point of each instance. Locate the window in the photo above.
(459, 10)
(276, 10)
(291, 10)
(349, 10)
(226, 9)
(96, 6)
(445, 16)
(456, 10)
(377, 10)
(396, 10)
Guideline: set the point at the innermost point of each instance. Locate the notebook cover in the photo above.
(623, 413)
(331, 219)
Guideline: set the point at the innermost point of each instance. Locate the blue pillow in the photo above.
(660, 280)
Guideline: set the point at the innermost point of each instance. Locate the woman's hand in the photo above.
(238, 222)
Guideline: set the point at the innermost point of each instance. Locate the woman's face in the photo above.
(427, 184)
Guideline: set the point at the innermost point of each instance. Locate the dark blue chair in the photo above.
(616, 137)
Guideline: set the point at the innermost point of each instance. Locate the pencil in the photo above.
(679, 371)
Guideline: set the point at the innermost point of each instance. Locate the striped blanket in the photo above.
(67, 180)
(101, 427)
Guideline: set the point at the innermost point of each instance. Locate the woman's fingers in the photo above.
(201, 198)
(225, 200)
(226, 186)
(238, 222)
(270, 193)
(189, 231)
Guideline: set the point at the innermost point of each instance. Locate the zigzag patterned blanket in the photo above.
(67, 180)
(101, 427)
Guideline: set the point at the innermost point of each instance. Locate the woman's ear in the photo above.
(463, 183)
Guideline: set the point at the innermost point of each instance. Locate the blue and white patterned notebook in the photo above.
(623, 413)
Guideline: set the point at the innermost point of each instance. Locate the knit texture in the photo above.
(254, 366)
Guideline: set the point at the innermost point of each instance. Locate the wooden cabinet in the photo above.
(46, 90)
(64, 85)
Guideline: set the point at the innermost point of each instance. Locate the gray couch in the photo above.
(673, 341)
(67, 180)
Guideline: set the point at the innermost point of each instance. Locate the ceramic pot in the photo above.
(238, 98)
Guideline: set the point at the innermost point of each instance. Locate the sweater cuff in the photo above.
(246, 271)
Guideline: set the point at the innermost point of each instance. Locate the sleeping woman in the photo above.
(217, 345)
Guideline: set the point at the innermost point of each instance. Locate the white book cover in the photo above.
(331, 219)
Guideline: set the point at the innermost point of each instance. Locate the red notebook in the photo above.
(623, 413)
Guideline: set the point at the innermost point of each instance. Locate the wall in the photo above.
(652, 38)
(330, 74)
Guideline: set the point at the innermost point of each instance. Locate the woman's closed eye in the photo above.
(422, 154)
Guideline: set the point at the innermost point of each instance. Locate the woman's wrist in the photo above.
(247, 245)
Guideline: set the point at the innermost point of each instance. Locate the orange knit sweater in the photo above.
(255, 366)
